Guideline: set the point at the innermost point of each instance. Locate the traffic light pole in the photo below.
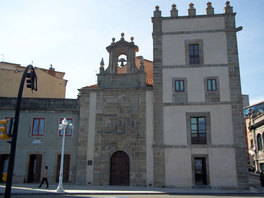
(14, 135)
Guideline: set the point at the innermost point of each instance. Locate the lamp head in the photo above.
(71, 126)
(64, 122)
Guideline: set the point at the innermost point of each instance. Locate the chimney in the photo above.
(51, 71)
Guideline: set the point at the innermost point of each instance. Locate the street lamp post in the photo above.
(62, 127)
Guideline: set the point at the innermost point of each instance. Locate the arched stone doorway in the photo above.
(119, 169)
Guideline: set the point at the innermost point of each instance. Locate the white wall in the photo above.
(221, 164)
(193, 24)
(178, 170)
(175, 132)
(195, 82)
(175, 125)
(210, 30)
(222, 167)
(178, 161)
(214, 48)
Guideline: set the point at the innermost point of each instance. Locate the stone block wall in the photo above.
(236, 101)
(121, 126)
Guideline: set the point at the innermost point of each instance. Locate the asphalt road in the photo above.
(132, 196)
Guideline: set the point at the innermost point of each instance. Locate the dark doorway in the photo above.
(200, 171)
(119, 169)
(3, 167)
(34, 168)
(66, 168)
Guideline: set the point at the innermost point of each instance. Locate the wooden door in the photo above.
(119, 169)
(66, 168)
(34, 168)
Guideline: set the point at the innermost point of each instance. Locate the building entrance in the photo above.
(66, 168)
(34, 168)
(200, 171)
(119, 169)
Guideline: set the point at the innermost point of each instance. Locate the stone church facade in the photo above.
(185, 129)
(113, 120)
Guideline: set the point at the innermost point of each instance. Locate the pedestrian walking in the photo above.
(45, 177)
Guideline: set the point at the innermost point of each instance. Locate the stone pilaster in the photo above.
(81, 163)
(158, 152)
(236, 100)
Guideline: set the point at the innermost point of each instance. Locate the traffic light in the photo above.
(3, 130)
(31, 80)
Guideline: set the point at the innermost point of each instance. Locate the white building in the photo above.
(198, 123)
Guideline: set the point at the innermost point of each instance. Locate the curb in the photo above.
(141, 193)
(78, 190)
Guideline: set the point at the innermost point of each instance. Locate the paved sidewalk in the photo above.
(32, 189)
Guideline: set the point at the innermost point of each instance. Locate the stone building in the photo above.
(114, 123)
(183, 128)
(198, 120)
(254, 119)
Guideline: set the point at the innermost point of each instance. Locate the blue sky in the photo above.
(72, 35)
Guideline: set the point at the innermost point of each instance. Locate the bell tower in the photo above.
(131, 76)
